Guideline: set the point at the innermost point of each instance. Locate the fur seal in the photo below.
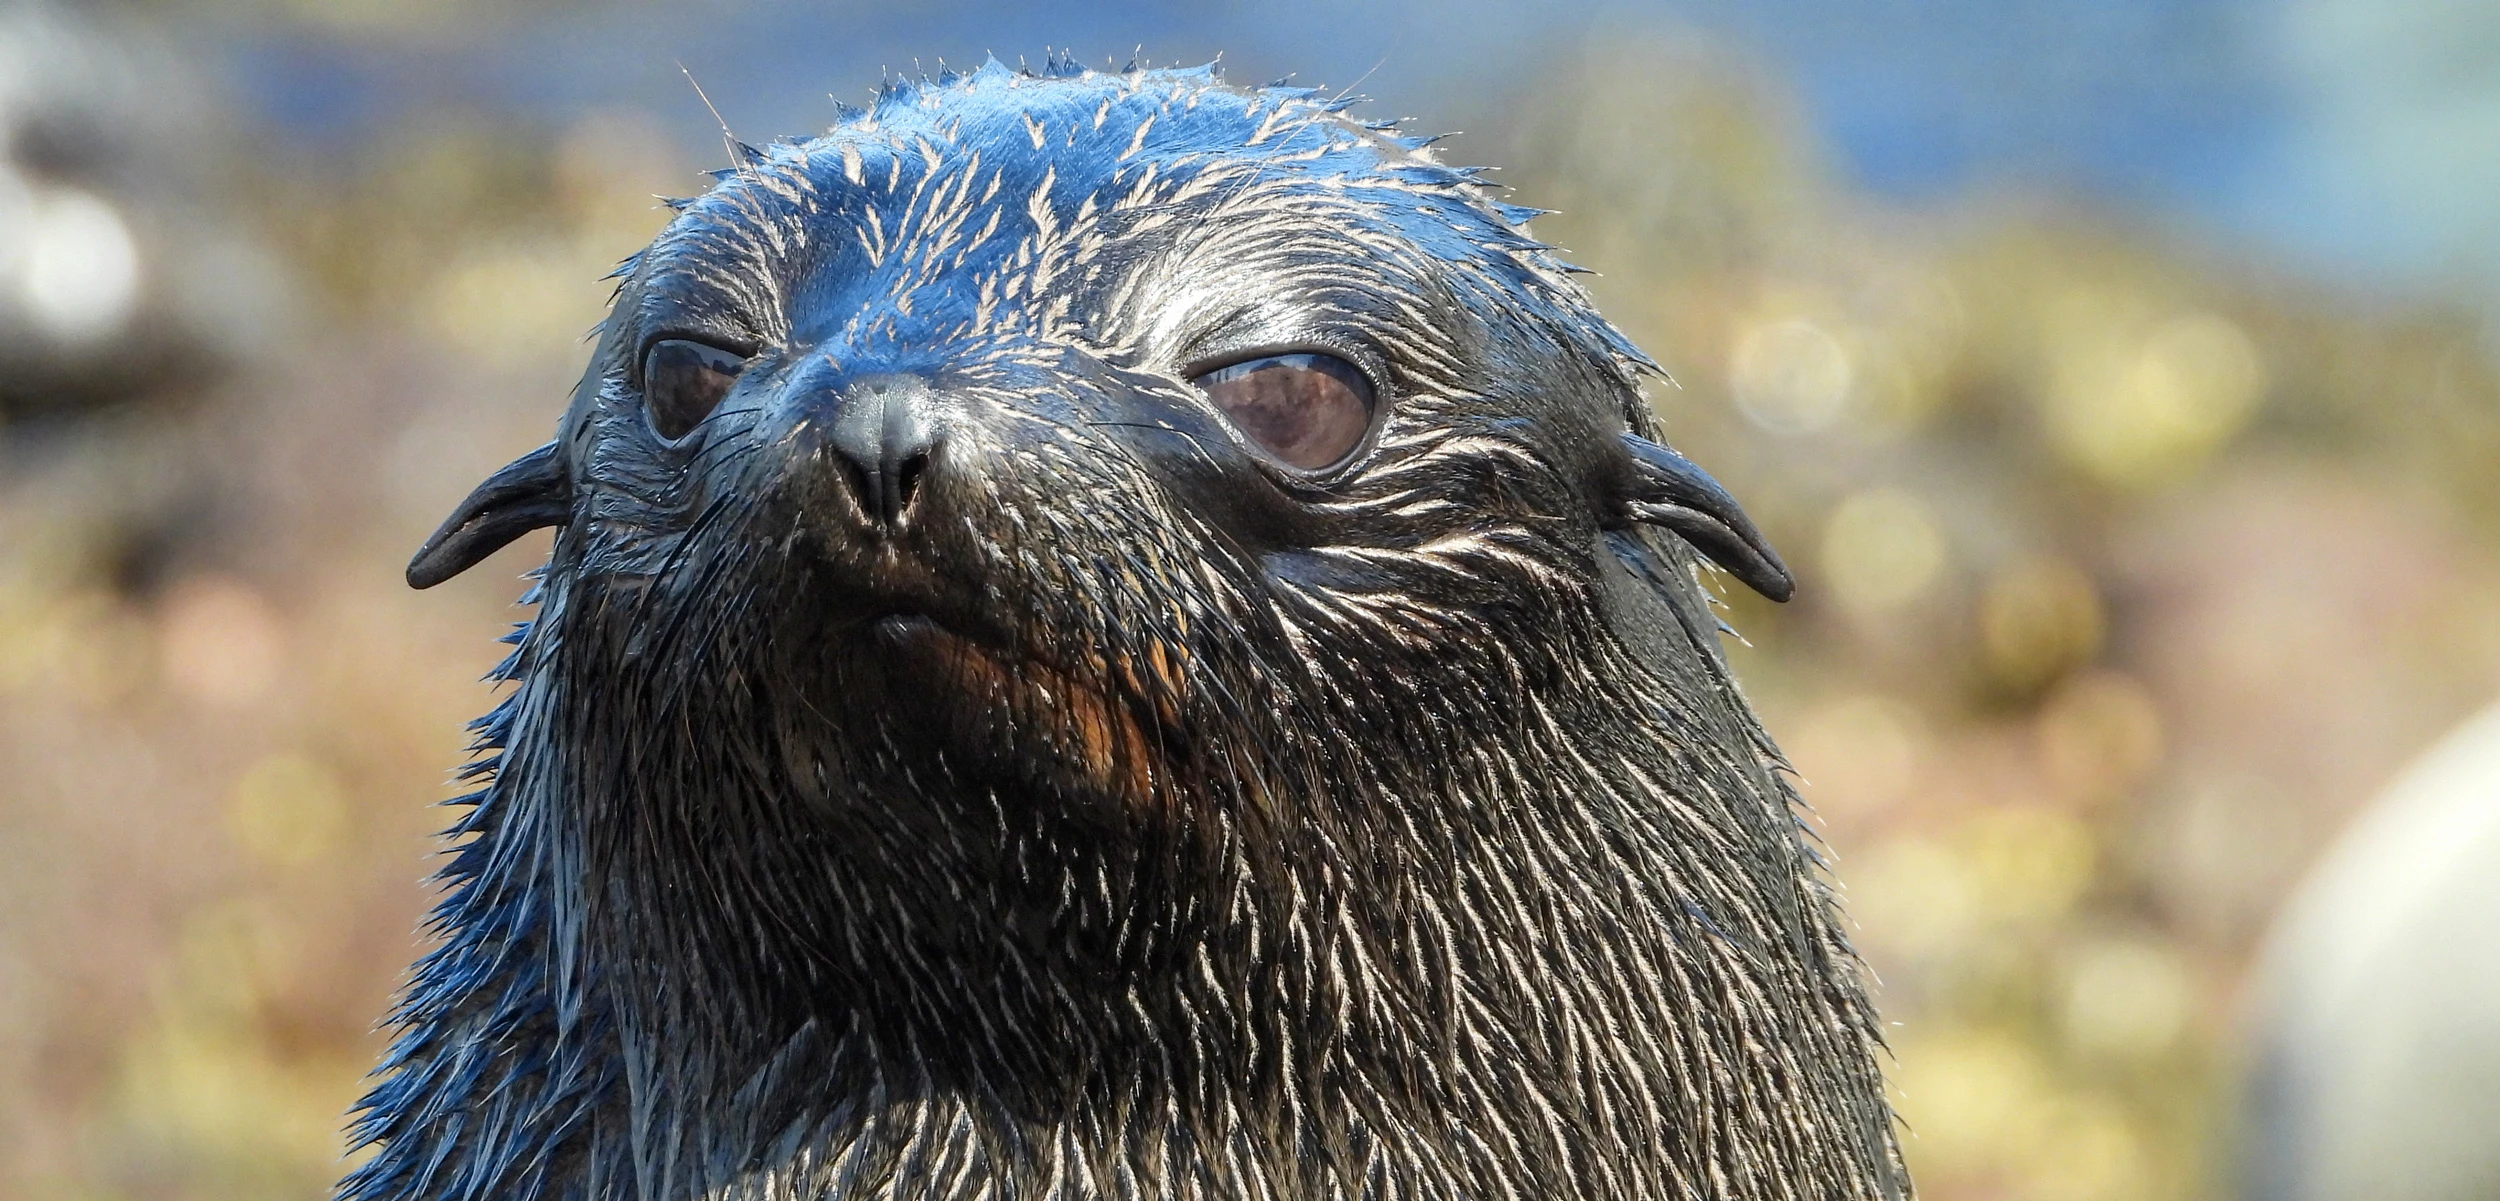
(1114, 635)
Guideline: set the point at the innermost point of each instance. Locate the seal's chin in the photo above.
(1089, 725)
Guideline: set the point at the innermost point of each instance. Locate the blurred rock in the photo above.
(119, 280)
(2376, 1022)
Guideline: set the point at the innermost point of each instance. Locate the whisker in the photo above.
(1194, 441)
(730, 452)
(677, 554)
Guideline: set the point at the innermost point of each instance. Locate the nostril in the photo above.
(862, 478)
(907, 475)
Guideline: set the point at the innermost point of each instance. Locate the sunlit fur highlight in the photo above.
(1402, 836)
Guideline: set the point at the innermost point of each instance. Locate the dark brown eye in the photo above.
(1309, 411)
(682, 382)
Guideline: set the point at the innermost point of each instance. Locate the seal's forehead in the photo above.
(1064, 141)
(1090, 127)
(1005, 200)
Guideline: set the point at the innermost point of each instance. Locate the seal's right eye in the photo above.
(1308, 411)
(683, 381)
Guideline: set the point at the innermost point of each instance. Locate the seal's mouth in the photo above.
(1106, 721)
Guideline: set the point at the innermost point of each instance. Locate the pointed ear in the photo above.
(1666, 489)
(530, 492)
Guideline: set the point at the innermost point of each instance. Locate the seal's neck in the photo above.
(1573, 948)
(1532, 967)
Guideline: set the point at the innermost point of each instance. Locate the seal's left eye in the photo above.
(683, 381)
(1308, 411)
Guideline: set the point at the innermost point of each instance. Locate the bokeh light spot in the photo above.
(1912, 894)
(1882, 549)
(1790, 377)
(2099, 735)
(1966, 1096)
(220, 643)
(78, 273)
(2038, 619)
(2139, 407)
(2031, 862)
(2125, 997)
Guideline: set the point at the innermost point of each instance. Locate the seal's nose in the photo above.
(885, 438)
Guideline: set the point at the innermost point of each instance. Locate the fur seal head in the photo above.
(1114, 635)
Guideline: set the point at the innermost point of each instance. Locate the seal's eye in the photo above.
(682, 382)
(1309, 411)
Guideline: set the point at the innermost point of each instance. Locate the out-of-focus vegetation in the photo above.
(223, 716)
(2128, 569)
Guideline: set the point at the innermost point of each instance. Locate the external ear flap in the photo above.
(530, 492)
(1666, 489)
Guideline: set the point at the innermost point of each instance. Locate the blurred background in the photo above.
(2123, 380)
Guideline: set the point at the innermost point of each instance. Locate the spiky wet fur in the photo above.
(1403, 837)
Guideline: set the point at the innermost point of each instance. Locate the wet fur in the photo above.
(1159, 827)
